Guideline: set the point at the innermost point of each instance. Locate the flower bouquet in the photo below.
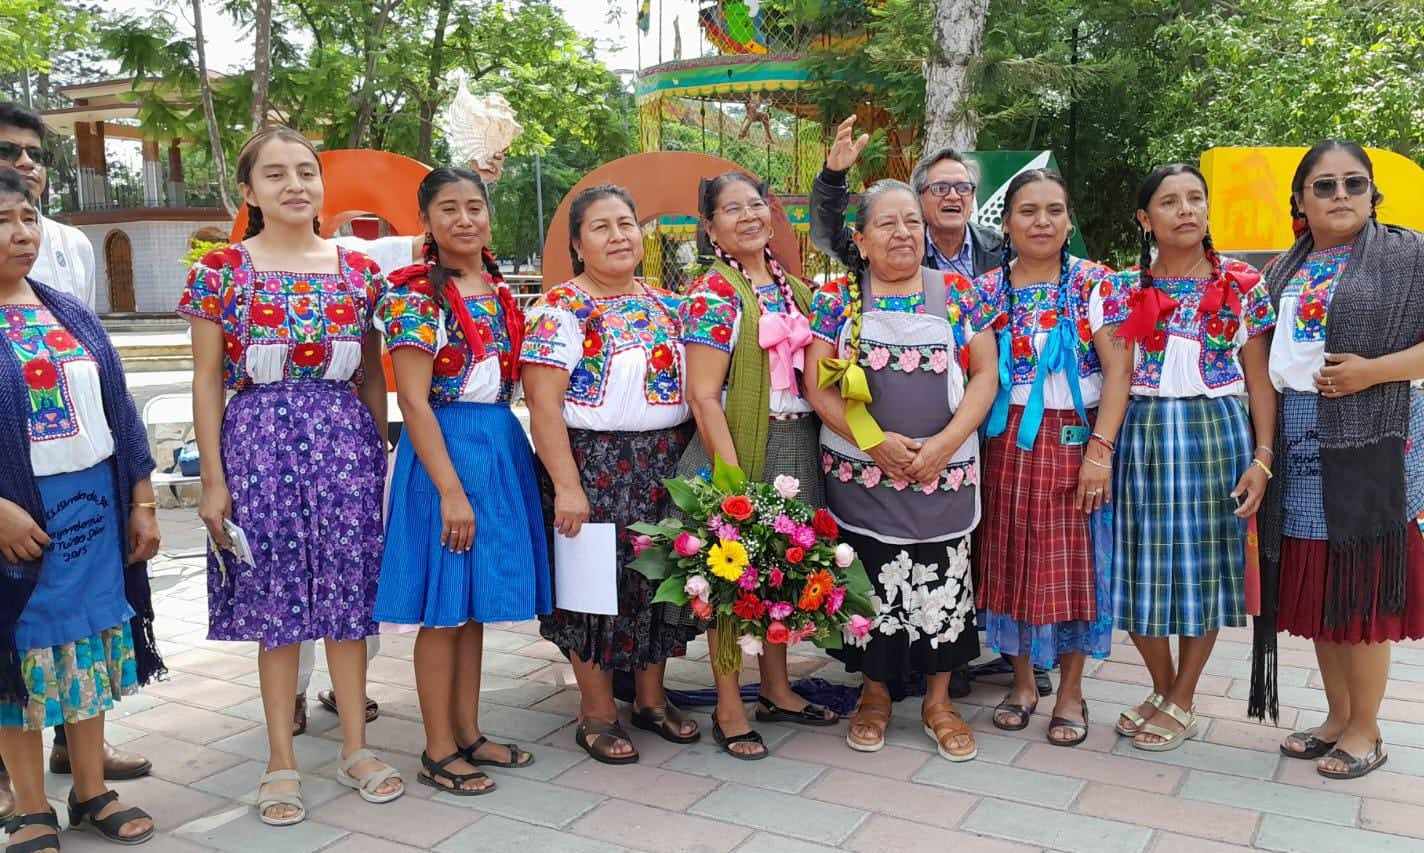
(763, 566)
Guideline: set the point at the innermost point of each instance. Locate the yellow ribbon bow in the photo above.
(855, 390)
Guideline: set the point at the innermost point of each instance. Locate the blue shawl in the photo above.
(133, 463)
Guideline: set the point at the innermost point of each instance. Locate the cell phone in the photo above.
(1073, 436)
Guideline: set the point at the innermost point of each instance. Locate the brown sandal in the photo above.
(945, 726)
(871, 714)
(299, 717)
(664, 721)
(605, 737)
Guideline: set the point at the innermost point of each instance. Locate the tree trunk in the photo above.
(261, 64)
(432, 84)
(209, 114)
(366, 98)
(958, 39)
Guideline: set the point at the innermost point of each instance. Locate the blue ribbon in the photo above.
(1060, 354)
(999, 414)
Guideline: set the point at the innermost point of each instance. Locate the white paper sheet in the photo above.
(586, 570)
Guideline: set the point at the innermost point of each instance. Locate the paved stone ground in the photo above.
(1226, 791)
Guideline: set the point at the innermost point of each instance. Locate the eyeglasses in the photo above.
(10, 153)
(735, 210)
(940, 189)
(1327, 187)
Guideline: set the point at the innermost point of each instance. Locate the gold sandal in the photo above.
(1134, 719)
(945, 727)
(1170, 739)
(870, 714)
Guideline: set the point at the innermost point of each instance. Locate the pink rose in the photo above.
(845, 555)
(909, 360)
(859, 626)
(805, 536)
(899, 485)
(939, 361)
(929, 488)
(779, 610)
(775, 578)
(686, 545)
(956, 479)
(826, 463)
(835, 600)
(787, 487)
(971, 475)
(844, 472)
(777, 632)
(728, 532)
(870, 476)
(697, 587)
(878, 358)
(641, 543)
(701, 608)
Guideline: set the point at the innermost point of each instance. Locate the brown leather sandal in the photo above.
(664, 721)
(946, 728)
(605, 736)
(870, 714)
(299, 717)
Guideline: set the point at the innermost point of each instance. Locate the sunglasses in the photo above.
(10, 153)
(1327, 187)
(940, 189)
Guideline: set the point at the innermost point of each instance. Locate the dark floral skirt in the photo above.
(623, 475)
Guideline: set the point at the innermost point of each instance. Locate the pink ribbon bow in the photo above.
(784, 337)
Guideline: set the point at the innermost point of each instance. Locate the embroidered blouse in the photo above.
(711, 315)
(281, 325)
(1298, 345)
(1028, 314)
(624, 355)
(408, 317)
(830, 308)
(1190, 355)
(68, 429)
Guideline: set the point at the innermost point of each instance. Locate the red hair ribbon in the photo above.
(1227, 290)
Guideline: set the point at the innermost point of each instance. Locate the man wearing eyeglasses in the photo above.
(945, 183)
(66, 260)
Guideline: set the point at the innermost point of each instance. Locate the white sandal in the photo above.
(267, 801)
(367, 785)
(1169, 739)
(1135, 719)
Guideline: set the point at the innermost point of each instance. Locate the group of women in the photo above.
(1101, 438)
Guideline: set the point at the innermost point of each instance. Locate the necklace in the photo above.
(1188, 274)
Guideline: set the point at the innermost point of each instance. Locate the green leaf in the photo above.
(670, 591)
(832, 641)
(683, 496)
(652, 564)
(666, 528)
(728, 478)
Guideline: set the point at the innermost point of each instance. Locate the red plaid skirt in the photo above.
(1035, 551)
(1305, 577)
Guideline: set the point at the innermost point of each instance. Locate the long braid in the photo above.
(855, 286)
(1005, 257)
(513, 317)
(254, 222)
(1144, 259)
(783, 283)
(439, 273)
(1212, 256)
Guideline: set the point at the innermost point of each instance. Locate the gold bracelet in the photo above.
(145, 504)
(1088, 458)
(1259, 464)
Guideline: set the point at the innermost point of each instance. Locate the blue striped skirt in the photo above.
(505, 577)
(1179, 551)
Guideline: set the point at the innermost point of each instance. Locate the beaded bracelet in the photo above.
(1264, 467)
(1112, 448)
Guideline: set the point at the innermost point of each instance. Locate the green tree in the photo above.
(33, 32)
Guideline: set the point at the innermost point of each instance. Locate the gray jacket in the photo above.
(830, 196)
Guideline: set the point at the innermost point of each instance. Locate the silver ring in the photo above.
(1096, 492)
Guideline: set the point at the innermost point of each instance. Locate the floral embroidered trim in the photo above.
(43, 348)
(906, 359)
(955, 476)
(922, 600)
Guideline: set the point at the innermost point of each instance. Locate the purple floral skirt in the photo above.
(306, 469)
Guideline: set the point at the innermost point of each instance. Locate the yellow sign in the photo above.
(1250, 195)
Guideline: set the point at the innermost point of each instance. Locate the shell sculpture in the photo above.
(476, 127)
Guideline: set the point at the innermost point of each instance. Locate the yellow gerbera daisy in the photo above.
(727, 559)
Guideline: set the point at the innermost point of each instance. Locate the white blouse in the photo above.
(1298, 345)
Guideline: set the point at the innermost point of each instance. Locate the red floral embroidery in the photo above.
(661, 357)
(340, 312)
(233, 347)
(720, 286)
(40, 374)
(1001, 322)
(721, 334)
(1214, 326)
(592, 343)
(1048, 319)
(268, 315)
(1022, 346)
(1085, 330)
(59, 339)
(698, 306)
(1157, 342)
(226, 258)
(308, 354)
(449, 361)
(957, 281)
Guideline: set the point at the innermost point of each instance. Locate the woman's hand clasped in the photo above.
(895, 455)
(21, 538)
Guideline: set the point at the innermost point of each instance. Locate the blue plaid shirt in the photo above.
(963, 260)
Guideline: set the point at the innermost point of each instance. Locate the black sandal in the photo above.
(1022, 715)
(85, 813)
(34, 845)
(1315, 746)
(438, 769)
(518, 757)
(811, 715)
(1080, 729)
(299, 717)
(726, 743)
(1355, 767)
(327, 698)
(664, 722)
(605, 735)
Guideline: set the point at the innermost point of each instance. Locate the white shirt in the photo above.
(66, 261)
(1298, 345)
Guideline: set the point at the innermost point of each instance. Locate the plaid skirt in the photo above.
(622, 475)
(1035, 551)
(793, 448)
(1179, 557)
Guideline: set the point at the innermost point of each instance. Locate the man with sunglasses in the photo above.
(66, 258)
(65, 262)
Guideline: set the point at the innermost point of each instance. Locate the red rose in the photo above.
(592, 343)
(825, 524)
(661, 357)
(795, 554)
(268, 315)
(1048, 319)
(1022, 346)
(738, 507)
(1214, 326)
(233, 347)
(40, 374)
(449, 361)
(59, 339)
(308, 355)
(776, 633)
(749, 607)
(721, 334)
(226, 258)
(340, 312)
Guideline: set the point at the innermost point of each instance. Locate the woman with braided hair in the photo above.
(745, 327)
(1063, 383)
(297, 459)
(465, 541)
(1342, 557)
(1186, 478)
(902, 383)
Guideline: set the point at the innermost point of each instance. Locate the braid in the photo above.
(1006, 256)
(439, 273)
(1212, 256)
(254, 222)
(1144, 260)
(855, 285)
(783, 284)
(1064, 260)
